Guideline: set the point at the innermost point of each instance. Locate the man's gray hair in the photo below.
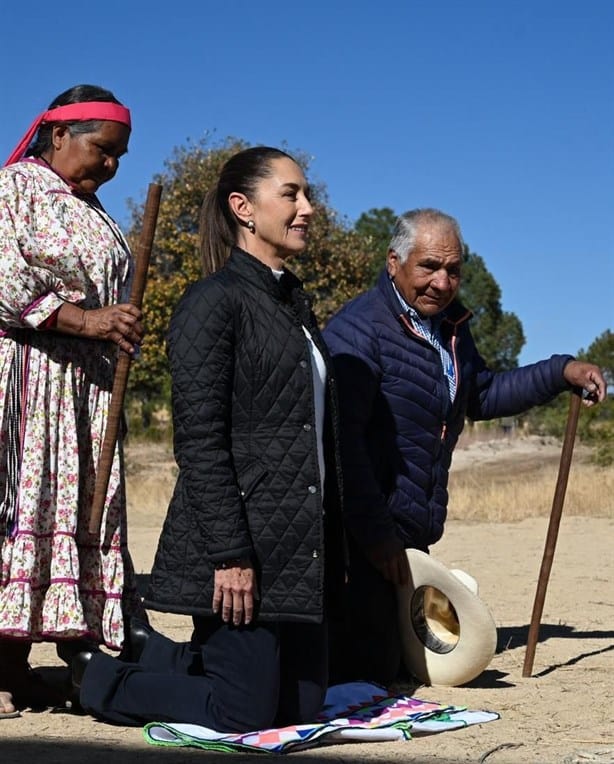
(406, 229)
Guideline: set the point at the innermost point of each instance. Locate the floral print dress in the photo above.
(56, 581)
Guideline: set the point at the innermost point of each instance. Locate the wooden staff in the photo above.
(143, 253)
(553, 528)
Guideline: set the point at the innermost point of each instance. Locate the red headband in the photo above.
(72, 112)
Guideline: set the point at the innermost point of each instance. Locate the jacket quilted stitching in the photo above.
(245, 445)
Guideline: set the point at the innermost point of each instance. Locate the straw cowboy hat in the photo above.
(448, 635)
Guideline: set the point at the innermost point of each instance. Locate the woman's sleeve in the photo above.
(201, 349)
(35, 280)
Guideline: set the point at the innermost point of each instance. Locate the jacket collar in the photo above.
(260, 275)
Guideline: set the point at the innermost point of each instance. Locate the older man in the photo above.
(408, 374)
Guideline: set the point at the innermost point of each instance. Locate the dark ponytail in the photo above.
(217, 224)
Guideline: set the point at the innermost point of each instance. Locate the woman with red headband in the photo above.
(64, 315)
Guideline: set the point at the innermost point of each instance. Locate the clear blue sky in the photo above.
(499, 112)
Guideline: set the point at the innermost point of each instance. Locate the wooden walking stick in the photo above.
(143, 253)
(553, 528)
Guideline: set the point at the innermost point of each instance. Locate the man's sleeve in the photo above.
(512, 392)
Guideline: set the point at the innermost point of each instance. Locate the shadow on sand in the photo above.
(514, 637)
(53, 751)
(511, 637)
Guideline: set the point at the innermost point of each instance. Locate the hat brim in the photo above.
(428, 658)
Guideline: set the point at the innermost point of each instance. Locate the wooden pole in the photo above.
(553, 528)
(120, 380)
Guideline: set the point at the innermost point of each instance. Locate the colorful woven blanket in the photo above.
(353, 712)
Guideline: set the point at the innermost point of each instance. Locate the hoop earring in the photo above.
(251, 226)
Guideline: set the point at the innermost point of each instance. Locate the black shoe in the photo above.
(67, 649)
(32, 691)
(137, 636)
(78, 665)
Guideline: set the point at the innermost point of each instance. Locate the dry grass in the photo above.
(150, 479)
(150, 496)
(506, 493)
(496, 484)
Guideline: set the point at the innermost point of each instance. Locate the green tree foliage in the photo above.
(595, 424)
(175, 262)
(497, 333)
(376, 227)
(335, 266)
(601, 352)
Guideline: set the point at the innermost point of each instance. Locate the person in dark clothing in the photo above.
(252, 546)
(408, 374)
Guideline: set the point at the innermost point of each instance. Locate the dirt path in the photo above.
(561, 715)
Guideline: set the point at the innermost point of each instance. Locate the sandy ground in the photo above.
(561, 714)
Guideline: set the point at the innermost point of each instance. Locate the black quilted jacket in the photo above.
(245, 444)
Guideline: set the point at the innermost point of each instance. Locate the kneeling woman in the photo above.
(252, 544)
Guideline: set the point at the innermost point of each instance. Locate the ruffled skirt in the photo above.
(56, 580)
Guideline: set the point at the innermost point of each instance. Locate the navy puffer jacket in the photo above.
(398, 429)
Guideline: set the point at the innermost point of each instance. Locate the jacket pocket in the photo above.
(250, 478)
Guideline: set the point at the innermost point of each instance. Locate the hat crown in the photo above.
(448, 634)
